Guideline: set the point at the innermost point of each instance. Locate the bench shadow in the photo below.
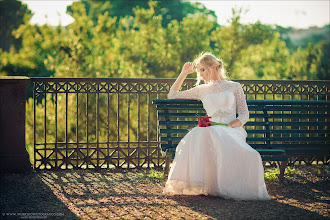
(133, 195)
(27, 196)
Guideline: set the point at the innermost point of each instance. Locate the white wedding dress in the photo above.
(216, 160)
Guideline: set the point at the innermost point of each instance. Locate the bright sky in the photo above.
(54, 10)
(299, 14)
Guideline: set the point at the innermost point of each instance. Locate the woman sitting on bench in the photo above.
(216, 160)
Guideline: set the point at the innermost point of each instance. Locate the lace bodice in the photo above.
(221, 100)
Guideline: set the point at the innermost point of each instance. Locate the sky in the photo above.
(298, 14)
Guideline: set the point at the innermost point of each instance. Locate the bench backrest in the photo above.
(299, 126)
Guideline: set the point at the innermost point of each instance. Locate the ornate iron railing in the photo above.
(111, 122)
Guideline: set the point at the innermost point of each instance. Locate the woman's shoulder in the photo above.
(201, 86)
(233, 83)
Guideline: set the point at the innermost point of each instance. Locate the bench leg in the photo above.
(167, 164)
(281, 165)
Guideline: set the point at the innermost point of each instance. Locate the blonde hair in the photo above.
(209, 60)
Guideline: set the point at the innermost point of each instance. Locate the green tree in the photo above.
(250, 51)
(266, 60)
(323, 61)
(229, 40)
(169, 9)
(12, 14)
(39, 43)
(311, 63)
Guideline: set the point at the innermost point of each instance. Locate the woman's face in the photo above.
(203, 71)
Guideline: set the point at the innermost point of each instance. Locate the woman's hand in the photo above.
(235, 123)
(188, 68)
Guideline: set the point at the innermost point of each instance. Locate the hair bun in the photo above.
(220, 62)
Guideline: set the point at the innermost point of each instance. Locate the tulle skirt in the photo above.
(216, 160)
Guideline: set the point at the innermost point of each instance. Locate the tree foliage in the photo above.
(169, 9)
(311, 63)
(104, 41)
(12, 14)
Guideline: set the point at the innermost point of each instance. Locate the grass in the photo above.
(270, 174)
(154, 174)
(273, 173)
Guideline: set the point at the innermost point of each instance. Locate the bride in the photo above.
(216, 160)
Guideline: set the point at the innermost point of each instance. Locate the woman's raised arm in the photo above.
(174, 93)
(186, 70)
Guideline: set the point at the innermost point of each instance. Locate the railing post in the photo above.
(14, 157)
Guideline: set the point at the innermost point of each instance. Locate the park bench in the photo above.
(280, 130)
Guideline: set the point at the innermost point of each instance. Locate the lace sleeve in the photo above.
(243, 111)
(192, 93)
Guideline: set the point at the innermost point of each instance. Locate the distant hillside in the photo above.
(301, 37)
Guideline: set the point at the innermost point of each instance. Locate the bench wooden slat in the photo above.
(273, 146)
(291, 131)
(309, 151)
(252, 108)
(253, 123)
(261, 151)
(287, 102)
(270, 151)
(281, 158)
(178, 101)
(176, 131)
(285, 116)
(288, 108)
(259, 131)
(264, 139)
(270, 116)
(170, 138)
(290, 146)
(165, 146)
(177, 115)
(178, 122)
(160, 107)
(293, 123)
(290, 139)
(249, 102)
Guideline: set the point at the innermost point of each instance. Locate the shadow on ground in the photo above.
(133, 195)
(27, 196)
